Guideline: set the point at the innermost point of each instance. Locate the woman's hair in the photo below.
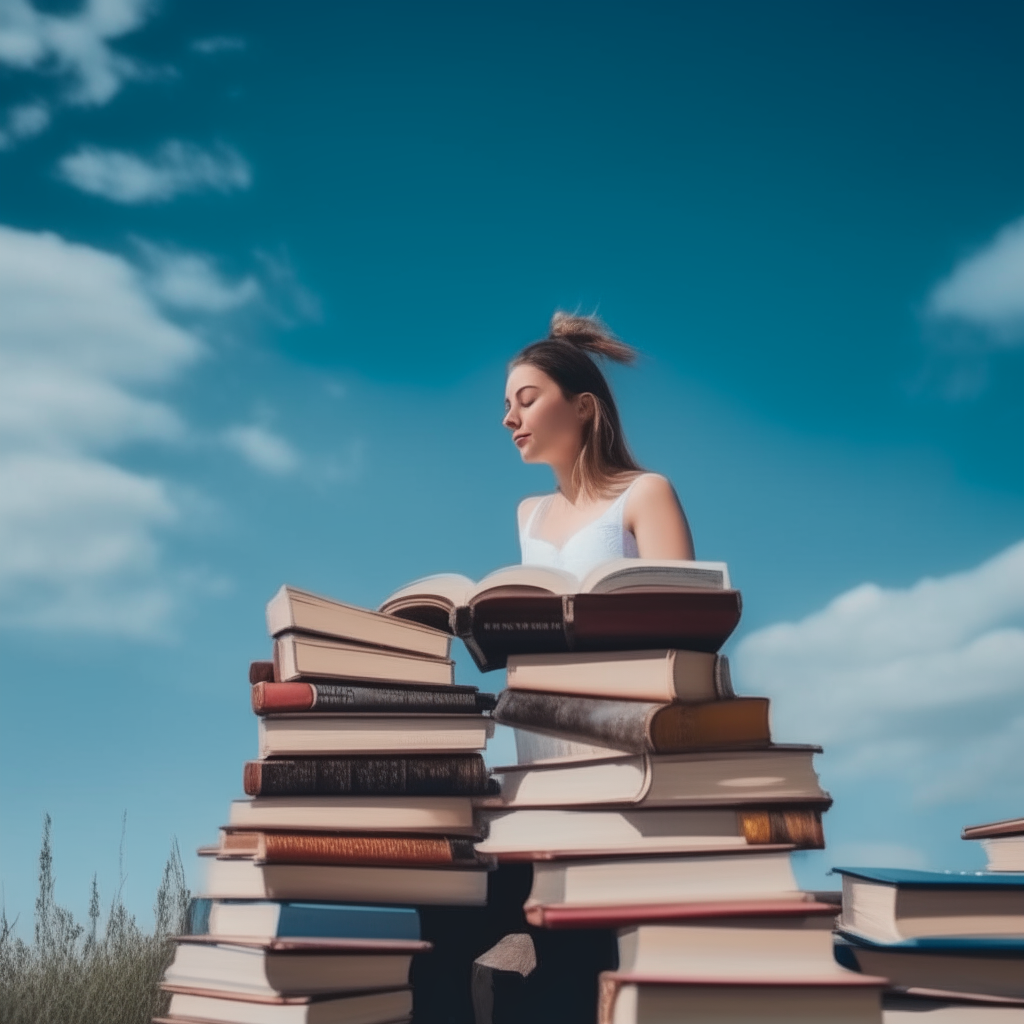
(565, 356)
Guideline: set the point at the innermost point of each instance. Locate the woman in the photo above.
(561, 412)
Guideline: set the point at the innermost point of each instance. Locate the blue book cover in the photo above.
(317, 920)
(910, 878)
(950, 945)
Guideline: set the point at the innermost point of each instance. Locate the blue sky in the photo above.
(261, 276)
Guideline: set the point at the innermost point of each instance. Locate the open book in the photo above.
(445, 591)
(624, 604)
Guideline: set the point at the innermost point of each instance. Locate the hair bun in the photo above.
(591, 334)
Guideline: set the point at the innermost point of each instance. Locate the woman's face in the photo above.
(546, 426)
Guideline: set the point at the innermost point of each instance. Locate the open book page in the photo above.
(625, 573)
(541, 577)
(446, 588)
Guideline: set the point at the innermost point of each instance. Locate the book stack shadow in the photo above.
(650, 821)
(951, 943)
(342, 886)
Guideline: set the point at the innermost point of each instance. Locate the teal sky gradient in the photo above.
(760, 197)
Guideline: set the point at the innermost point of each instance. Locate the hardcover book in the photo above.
(661, 676)
(270, 698)
(291, 967)
(246, 880)
(297, 656)
(639, 726)
(781, 773)
(388, 1007)
(424, 775)
(356, 733)
(291, 609)
(285, 919)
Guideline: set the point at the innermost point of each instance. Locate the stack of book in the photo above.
(358, 828)
(647, 797)
(951, 943)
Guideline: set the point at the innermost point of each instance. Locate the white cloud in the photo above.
(176, 168)
(192, 282)
(23, 122)
(211, 45)
(80, 343)
(262, 448)
(986, 290)
(923, 685)
(74, 46)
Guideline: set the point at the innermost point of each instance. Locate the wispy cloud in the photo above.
(82, 347)
(191, 281)
(176, 168)
(986, 289)
(74, 49)
(211, 45)
(262, 448)
(920, 685)
(24, 121)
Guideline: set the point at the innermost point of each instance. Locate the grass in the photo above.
(73, 973)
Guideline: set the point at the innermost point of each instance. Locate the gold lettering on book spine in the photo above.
(569, 621)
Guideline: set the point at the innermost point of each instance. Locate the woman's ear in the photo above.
(585, 406)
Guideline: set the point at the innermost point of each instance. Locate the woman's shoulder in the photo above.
(528, 506)
(646, 485)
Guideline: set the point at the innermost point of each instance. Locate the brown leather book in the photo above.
(638, 727)
(426, 775)
(497, 625)
(269, 698)
(558, 916)
(800, 826)
(272, 847)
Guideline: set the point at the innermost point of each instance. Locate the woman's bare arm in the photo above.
(656, 519)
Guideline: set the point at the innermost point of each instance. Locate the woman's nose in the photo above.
(511, 420)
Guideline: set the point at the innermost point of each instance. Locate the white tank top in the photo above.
(599, 541)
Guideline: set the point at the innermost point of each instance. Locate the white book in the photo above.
(307, 734)
(246, 880)
(360, 1008)
(438, 814)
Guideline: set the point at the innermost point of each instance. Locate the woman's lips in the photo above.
(521, 440)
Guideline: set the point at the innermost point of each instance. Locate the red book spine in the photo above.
(270, 697)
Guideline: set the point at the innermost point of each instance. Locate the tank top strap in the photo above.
(526, 530)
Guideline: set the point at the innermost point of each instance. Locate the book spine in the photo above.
(430, 775)
(723, 678)
(314, 848)
(799, 826)
(614, 723)
(268, 698)
(261, 672)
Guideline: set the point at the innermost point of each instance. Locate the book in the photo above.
(270, 698)
(541, 833)
(1003, 843)
(891, 904)
(625, 604)
(791, 947)
(291, 967)
(604, 915)
(662, 676)
(903, 1007)
(445, 591)
(531, 622)
(781, 773)
(297, 655)
(284, 919)
(261, 672)
(294, 610)
(980, 965)
(751, 872)
(382, 813)
(270, 847)
(638, 726)
(423, 775)
(387, 1007)
(345, 883)
(643, 999)
(357, 733)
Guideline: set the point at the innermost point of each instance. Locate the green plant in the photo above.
(76, 974)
